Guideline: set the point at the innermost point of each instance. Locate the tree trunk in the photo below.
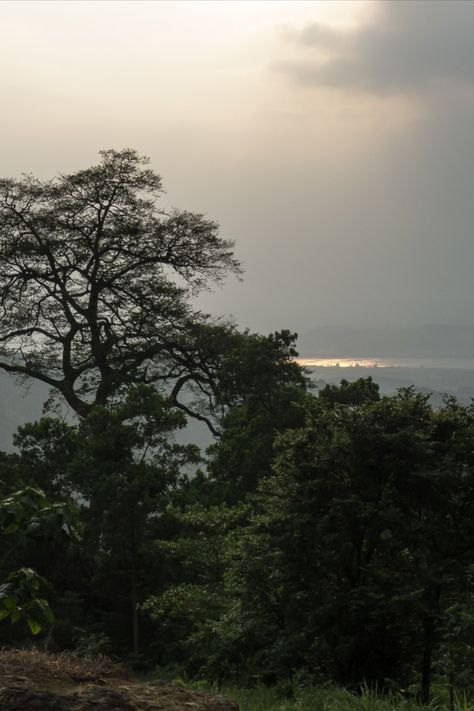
(134, 601)
(426, 661)
(451, 691)
(134, 590)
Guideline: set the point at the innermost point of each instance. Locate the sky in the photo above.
(332, 140)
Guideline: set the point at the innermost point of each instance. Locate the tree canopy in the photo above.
(95, 281)
(352, 560)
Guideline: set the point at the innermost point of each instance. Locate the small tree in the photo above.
(260, 378)
(28, 514)
(125, 467)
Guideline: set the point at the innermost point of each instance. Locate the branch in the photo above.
(28, 332)
(23, 370)
(196, 415)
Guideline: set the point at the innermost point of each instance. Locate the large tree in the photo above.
(95, 283)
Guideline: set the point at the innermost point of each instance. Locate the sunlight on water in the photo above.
(343, 363)
(434, 363)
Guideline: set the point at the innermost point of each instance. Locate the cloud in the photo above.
(408, 47)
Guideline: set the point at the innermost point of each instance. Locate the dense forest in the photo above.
(325, 536)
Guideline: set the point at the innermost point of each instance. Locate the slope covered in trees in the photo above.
(323, 537)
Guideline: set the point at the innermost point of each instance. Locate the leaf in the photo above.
(10, 603)
(45, 610)
(34, 625)
(11, 528)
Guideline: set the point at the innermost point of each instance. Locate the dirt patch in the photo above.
(32, 681)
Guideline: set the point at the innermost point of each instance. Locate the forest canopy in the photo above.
(325, 536)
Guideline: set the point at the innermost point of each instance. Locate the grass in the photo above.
(322, 698)
(328, 699)
(32, 663)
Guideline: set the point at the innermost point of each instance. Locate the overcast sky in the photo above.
(334, 141)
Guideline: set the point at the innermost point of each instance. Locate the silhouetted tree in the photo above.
(351, 393)
(95, 282)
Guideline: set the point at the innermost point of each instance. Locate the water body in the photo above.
(430, 363)
(435, 377)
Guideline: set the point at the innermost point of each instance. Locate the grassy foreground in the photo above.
(330, 699)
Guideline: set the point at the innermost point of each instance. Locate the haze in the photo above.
(333, 141)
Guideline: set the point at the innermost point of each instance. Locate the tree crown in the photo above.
(95, 280)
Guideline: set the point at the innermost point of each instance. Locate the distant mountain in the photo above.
(428, 341)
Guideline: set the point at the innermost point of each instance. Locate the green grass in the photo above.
(325, 699)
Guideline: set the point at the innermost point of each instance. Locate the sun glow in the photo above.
(342, 363)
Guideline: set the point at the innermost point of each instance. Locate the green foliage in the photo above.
(325, 537)
(267, 389)
(126, 468)
(349, 561)
(30, 513)
(253, 367)
(20, 601)
(329, 538)
(46, 448)
(27, 514)
(197, 618)
(351, 393)
(324, 698)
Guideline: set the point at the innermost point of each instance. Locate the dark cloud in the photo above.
(409, 46)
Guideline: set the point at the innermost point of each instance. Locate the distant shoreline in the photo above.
(345, 362)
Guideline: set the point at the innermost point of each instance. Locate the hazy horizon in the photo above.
(334, 141)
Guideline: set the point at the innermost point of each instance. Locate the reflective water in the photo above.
(448, 363)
